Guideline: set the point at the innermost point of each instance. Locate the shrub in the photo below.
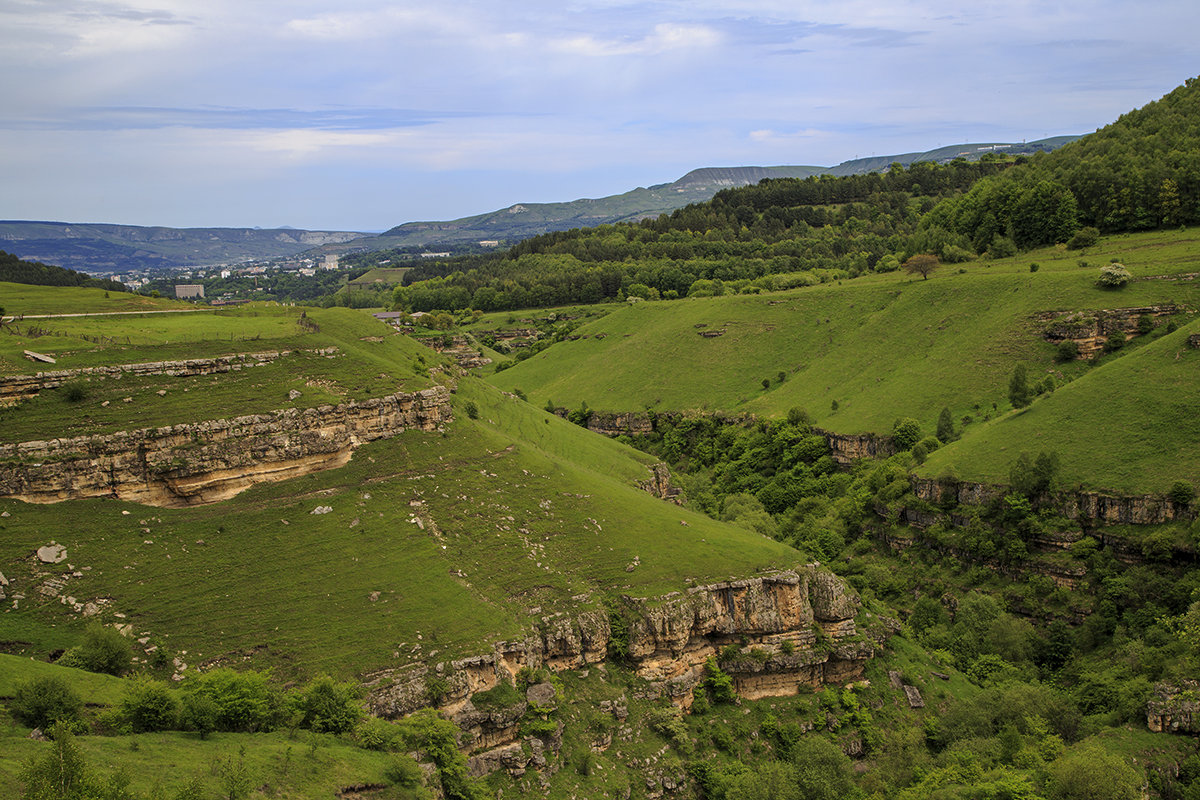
(149, 705)
(1113, 276)
(472, 409)
(1182, 493)
(920, 453)
(1145, 324)
(41, 702)
(1084, 237)
(1034, 267)
(199, 714)
(1002, 247)
(105, 650)
(329, 707)
(74, 392)
(1115, 341)
(906, 432)
(1018, 388)
(945, 426)
(243, 701)
(1068, 350)
(374, 733)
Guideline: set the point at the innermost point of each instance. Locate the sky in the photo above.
(361, 114)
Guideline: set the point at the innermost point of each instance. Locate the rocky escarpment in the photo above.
(14, 388)
(1103, 508)
(1174, 708)
(1090, 330)
(791, 629)
(846, 448)
(205, 462)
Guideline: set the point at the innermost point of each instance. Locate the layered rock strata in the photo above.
(1103, 508)
(14, 388)
(793, 629)
(205, 462)
(1174, 708)
(1091, 329)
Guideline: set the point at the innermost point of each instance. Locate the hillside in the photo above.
(105, 248)
(881, 347)
(522, 220)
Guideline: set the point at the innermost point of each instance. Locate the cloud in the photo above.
(150, 118)
(665, 37)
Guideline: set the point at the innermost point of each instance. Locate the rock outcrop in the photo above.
(613, 423)
(14, 388)
(846, 448)
(1104, 508)
(1174, 708)
(205, 462)
(1091, 329)
(793, 629)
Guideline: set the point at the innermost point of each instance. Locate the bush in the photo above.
(1068, 350)
(1115, 341)
(199, 714)
(242, 701)
(906, 432)
(105, 650)
(1034, 267)
(41, 702)
(326, 706)
(1182, 493)
(149, 705)
(374, 733)
(1113, 276)
(1084, 237)
(472, 409)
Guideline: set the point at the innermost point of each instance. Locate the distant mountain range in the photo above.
(101, 248)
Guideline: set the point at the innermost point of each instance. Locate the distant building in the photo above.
(331, 261)
(226, 273)
(435, 255)
(188, 291)
(490, 243)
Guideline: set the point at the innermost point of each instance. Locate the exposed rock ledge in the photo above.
(205, 462)
(669, 639)
(1102, 507)
(1174, 708)
(14, 388)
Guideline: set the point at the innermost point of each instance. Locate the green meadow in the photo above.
(860, 354)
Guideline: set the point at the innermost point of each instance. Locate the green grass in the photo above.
(524, 515)
(95, 689)
(277, 764)
(880, 347)
(21, 298)
(1130, 425)
(371, 361)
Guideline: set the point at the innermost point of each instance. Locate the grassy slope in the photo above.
(1128, 425)
(519, 511)
(371, 361)
(881, 347)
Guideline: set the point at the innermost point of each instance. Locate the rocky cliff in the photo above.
(1091, 329)
(1174, 708)
(1103, 508)
(846, 448)
(792, 629)
(205, 462)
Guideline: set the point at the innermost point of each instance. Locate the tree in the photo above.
(1089, 772)
(906, 432)
(1018, 388)
(150, 705)
(921, 264)
(45, 701)
(945, 426)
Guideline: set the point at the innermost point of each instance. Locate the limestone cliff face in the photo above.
(1091, 329)
(204, 462)
(611, 423)
(846, 448)
(1100, 507)
(1174, 708)
(797, 627)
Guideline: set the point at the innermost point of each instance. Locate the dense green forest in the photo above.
(35, 273)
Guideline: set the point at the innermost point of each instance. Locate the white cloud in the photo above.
(666, 37)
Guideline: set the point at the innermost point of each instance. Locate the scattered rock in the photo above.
(37, 735)
(321, 510)
(914, 697)
(542, 695)
(161, 393)
(52, 554)
(293, 394)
